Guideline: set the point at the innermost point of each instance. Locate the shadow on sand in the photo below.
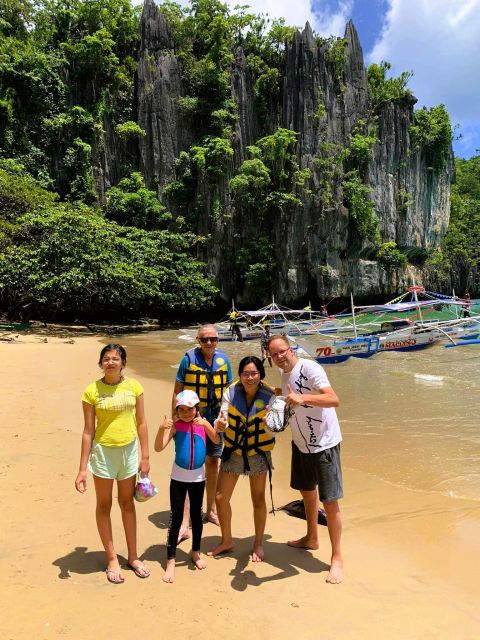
(161, 519)
(83, 562)
(287, 560)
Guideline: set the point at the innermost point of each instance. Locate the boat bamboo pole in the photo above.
(416, 299)
(353, 316)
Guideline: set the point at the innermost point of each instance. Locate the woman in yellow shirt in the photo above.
(114, 416)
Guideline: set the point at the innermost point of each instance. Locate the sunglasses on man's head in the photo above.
(206, 340)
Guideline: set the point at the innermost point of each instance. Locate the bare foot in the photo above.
(335, 575)
(303, 543)
(258, 554)
(197, 559)
(183, 534)
(169, 574)
(212, 517)
(223, 547)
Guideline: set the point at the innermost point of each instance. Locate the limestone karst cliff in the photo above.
(318, 251)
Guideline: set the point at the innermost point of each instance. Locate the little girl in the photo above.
(188, 472)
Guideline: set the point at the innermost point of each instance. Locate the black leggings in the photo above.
(178, 492)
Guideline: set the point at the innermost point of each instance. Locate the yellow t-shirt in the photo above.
(115, 410)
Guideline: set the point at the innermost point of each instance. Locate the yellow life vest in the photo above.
(208, 385)
(245, 434)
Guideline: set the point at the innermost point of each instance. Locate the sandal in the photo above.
(114, 576)
(140, 570)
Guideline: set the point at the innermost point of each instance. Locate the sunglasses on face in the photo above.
(207, 340)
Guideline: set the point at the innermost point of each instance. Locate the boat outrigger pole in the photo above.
(353, 316)
(414, 289)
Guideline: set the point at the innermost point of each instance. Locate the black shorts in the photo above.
(214, 450)
(322, 470)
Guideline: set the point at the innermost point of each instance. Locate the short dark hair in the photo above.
(251, 360)
(113, 346)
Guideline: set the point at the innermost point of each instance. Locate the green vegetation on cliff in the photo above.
(432, 131)
(457, 262)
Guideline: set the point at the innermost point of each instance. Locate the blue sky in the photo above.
(439, 40)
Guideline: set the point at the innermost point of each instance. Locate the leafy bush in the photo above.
(438, 266)
(70, 263)
(251, 182)
(415, 255)
(432, 131)
(459, 257)
(330, 169)
(404, 200)
(270, 182)
(19, 194)
(79, 168)
(337, 56)
(130, 203)
(129, 131)
(383, 89)
(357, 198)
(390, 257)
(360, 150)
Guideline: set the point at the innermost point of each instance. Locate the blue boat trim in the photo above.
(463, 343)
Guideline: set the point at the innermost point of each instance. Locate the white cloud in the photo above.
(439, 40)
(297, 12)
(332, 22)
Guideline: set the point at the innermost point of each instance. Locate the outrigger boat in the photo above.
(251, 324)
(395, 334)
(365, 346)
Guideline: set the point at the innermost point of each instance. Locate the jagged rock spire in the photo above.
(154, 31)
(355, 53)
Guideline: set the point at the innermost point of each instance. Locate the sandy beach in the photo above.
(412, 557)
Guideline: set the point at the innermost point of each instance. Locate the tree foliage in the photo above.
(458, 259)
(360, 205)
(67, 261)
(390, 257)
(383, 89)
(272, 180)
(131, 204)
(432, 131)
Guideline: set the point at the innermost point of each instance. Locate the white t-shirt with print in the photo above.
(313, 428)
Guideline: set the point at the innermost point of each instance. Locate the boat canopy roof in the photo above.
(407, 306)
(260, 313)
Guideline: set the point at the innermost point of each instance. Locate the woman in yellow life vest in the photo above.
(247, 447)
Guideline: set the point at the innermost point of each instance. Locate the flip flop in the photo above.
(137, 570)
(117, 573)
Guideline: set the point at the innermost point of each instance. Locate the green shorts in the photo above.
(115, 463)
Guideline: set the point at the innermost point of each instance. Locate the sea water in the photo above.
(412, 419)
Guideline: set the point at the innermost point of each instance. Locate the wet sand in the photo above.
(411, 556)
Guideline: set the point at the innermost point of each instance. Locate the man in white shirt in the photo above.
(316, 441)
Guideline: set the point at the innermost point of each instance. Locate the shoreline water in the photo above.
(410, 555)
(416, 413)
